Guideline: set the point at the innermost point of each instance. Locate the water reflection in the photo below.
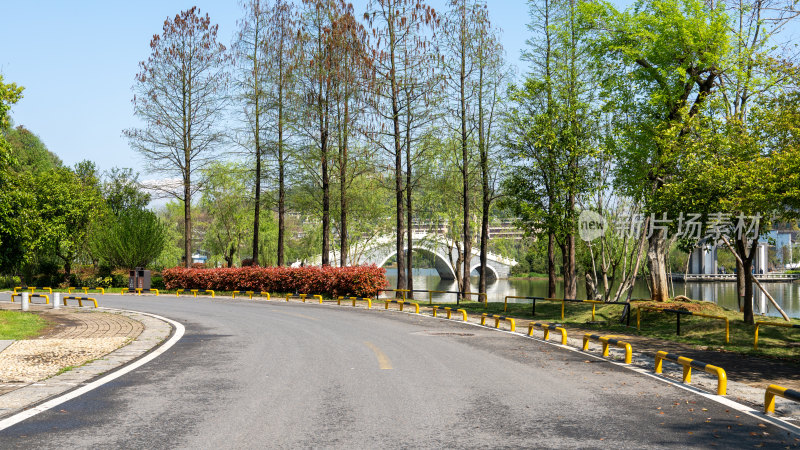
(787, 295)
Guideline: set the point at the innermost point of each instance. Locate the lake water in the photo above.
(787, 295)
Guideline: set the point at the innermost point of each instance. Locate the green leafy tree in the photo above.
(660, 62)
(16, 199)
(67, 204)
(226, 202)
(133, 238)
(29, 151)
(121, 191)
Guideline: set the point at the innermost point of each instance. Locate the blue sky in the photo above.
(77, 62)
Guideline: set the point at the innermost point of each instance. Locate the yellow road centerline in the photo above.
(383, 360)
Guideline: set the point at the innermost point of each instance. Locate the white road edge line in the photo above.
(176, 336)
(777, 421)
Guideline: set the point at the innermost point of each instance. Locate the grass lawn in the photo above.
(775, 342)
(20, 325)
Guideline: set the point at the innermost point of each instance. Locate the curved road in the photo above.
(285, 375)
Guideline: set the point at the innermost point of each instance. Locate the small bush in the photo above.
(361, 281)
(248, 262)
(10, 281)
(157, 283)
(198, 266)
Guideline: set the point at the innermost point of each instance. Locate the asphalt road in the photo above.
(291, 375)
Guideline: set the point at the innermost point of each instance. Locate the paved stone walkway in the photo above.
(76, 336)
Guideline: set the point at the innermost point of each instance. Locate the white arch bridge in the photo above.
(378, 251)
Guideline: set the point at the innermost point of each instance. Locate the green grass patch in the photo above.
(20, 325)
(774, 342)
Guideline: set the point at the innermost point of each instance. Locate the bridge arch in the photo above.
(491, 273)
(441, 263)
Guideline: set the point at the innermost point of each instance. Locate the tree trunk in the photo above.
(486, 199)
(551, 265)
(741, 275)
(343, 194)
(570, 281)
(257, 209)
(656, 257)
(281, 177)
(326, 207)
(747, 268)
(187, 222)
(410, 217)
(402, 281)
(465, 170)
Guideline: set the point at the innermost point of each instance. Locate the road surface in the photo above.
(260, 374)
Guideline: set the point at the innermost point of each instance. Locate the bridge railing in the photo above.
(403, 292)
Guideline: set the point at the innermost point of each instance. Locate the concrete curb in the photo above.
(155, 332)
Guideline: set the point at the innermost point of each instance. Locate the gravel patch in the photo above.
(36, 359)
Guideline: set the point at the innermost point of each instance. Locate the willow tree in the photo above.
(179, 96)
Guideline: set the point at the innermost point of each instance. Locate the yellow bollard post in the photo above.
(319, 297)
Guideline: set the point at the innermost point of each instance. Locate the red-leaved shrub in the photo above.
(360, 281)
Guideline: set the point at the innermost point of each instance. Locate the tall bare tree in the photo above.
(281, 47)
(317, 81)
(402, 30)
(492, 75)
(179, 95)
(352, 68)
(251, 59)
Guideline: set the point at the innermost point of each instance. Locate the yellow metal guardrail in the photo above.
(606, 341)
(33, 290)
(449, 312)
(70, 289)
(679, 313)
(251, 294)
(354, 299)
(20, 287)
(303, 297)
(547, 327)
(401, 303)
(771, 324)
(205, 291)
(79, 299)
(497, 319)
(430, 295)
(368, 300)
(505, 300)
(561, 300)
(688, 363)
(30, 296)
(140, 290)
(86, 290)
(775, 390)
(402, 292)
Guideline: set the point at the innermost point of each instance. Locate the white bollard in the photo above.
(56, 300)
(25, 301)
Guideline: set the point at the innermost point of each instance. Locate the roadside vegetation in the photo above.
(16, 325)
